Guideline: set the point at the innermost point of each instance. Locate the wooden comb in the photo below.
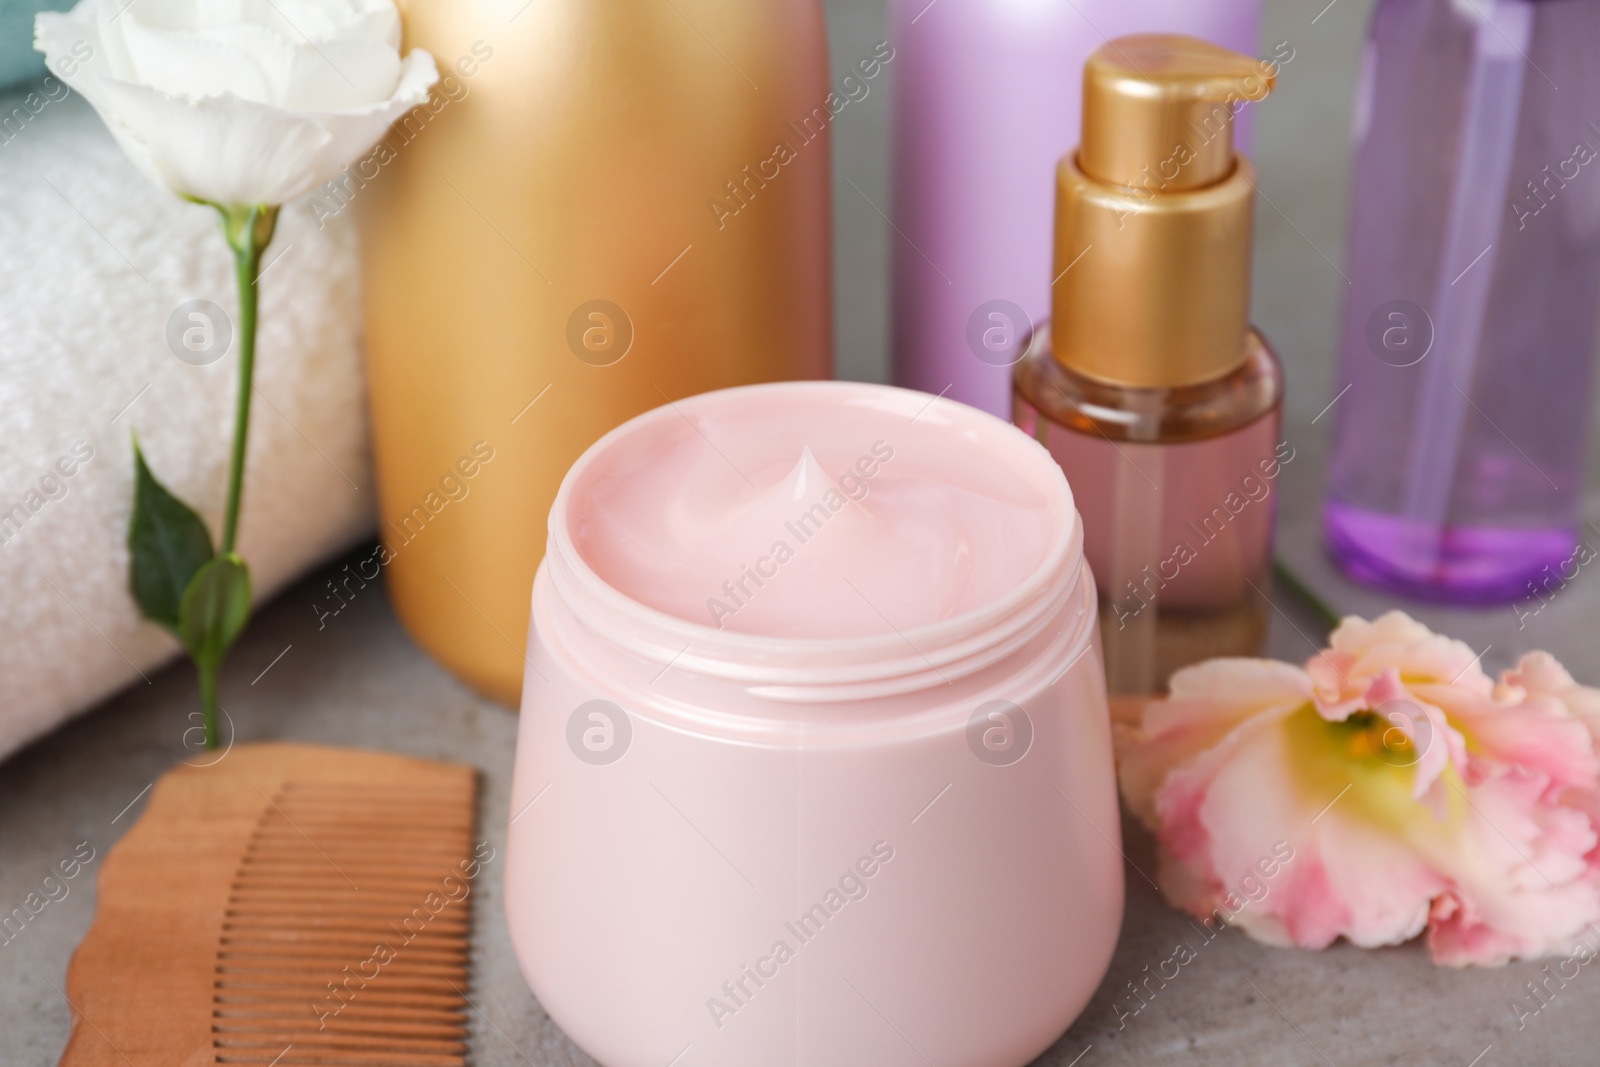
(290, 905)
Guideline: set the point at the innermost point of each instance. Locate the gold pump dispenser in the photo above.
(1154, 215)
(1149, 386)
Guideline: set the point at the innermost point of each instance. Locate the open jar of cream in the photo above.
(814, 765)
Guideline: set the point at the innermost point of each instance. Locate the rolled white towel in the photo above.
(93, 262)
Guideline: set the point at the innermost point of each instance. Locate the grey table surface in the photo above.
(361, 681)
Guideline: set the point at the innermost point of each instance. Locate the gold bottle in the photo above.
(607, 206)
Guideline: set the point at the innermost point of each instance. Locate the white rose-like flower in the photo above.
(239, 102)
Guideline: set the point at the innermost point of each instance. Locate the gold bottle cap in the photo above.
(1154, 215)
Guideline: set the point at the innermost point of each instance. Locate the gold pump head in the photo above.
(1154, 215)
(1146, 95)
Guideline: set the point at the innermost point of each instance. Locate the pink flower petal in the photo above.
(1539, 734)
(1207, 702)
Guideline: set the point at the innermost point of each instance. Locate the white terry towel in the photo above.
(93, 261)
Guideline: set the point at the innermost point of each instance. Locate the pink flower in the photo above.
(1388, 788)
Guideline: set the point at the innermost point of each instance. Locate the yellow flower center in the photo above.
(1368, 736)
(1377, 760)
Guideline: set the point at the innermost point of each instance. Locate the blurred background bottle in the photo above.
(607, 206)
(986, 99)
(1469, 326)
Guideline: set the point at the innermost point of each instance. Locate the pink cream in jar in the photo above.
(814, 765)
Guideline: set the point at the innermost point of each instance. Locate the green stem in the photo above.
(1318, 606)
(208, 700)
(249, 231)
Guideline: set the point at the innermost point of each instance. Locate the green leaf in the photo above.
(167, 543)
(215, 608)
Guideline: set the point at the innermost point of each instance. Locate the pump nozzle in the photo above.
(1159, 108)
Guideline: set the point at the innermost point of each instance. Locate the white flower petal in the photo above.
(239, 101)
(354, 132)
(193, 66)
(224, 150)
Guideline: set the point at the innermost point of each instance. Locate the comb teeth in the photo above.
(345, 939)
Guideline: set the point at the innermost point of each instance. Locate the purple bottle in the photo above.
(1469, 325)
(987, 98)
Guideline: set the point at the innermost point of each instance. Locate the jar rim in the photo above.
(939, 648)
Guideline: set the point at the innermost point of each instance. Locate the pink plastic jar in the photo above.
(848, 842)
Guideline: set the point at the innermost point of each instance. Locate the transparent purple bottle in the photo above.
(1470, 321)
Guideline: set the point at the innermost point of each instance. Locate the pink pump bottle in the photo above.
(987, 99)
